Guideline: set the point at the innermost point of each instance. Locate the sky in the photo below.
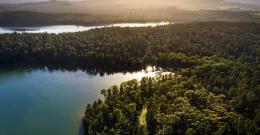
(246, 1)
(23, 1)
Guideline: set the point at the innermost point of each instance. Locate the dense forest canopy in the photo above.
(170, 14)
(213, 49)
(135, 46)
(214, 90)
(217, 94)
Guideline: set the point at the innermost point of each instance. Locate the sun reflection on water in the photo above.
(149, 71)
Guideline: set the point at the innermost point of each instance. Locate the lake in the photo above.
(56, 29)
(40, 101)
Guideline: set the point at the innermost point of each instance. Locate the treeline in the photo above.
(215, 90)
(27, 18)
(218, 95)
(175, 104)
(173, 45)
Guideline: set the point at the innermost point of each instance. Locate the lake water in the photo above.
(51, 102)
(56, 29)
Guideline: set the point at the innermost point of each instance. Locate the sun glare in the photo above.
(149, 69)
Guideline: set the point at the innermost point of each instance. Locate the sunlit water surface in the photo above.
(44, 102)
(56, 29)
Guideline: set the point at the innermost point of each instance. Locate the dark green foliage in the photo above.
(54, 14)
(179, 45)
(151, 120)
(217, 94)
(183, 109)
(214, 91)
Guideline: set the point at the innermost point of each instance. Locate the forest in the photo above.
(214, 88)
(170, 14)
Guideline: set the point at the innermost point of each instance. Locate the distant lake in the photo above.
(37, 101)
(56, 29)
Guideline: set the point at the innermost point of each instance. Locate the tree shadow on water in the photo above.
(81, 130)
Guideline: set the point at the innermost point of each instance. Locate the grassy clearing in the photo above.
(142, 118)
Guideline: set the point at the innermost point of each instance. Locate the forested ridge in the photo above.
(171, 14)
(163, 45)
(214, 90)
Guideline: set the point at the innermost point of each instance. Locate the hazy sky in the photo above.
(246, 1)
(22, 1)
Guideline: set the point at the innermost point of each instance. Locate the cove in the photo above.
(40, 101)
